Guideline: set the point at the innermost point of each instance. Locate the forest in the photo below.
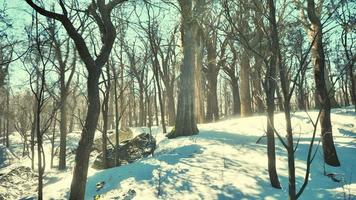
(177, 99)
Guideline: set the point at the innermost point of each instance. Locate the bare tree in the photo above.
(62, 67)
(100, 11)
(185, 121)
(269, 86)
(330, 155)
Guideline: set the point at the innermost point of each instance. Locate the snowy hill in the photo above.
(222, 162)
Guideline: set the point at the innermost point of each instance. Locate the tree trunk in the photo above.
(117, 118)
(245, 85)
(270, 89)
(271, 149)
(300, 93)
(345, 90)
(330, 155)
(171, 106)
(185, 121)
(212, 73)
(39, 150)
(236, 97)
(279, 98)
(105, 132)
(329, 87)
(199, 101)
(161, 105)
(111, 120)
(130, 110)
(154, 101)
(257, 89)
(142, 113)
(105, 113)
(2, 136)
(7, 131)
(63, 128)
(83, 151)
(73, 106)
(53, 139)
(276, 60)
(33, 132)
(212, 99)
(353, 84)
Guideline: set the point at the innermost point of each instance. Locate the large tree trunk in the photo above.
(171, 106)
(245, 85)
(212, 73)
(236, 96)
(63, 127)
(198, 66)
(256, 87)
(185, 120)
(212, 99)
(330, 155)
(83, 151)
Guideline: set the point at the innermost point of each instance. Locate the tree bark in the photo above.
(105, 114)
(7, 131)
(277, 61)
(212, 73)
(353, 82)
(199, 100)
(142, 117)
(236, 96)
(185, 120)
(171, 106)
(63, 127)
(330, 155)
(245, 85)
(83, 151)
(270, 89)
(256, 86)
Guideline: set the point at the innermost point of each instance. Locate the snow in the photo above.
(222, 162)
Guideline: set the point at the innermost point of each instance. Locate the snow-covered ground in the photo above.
(222, 162)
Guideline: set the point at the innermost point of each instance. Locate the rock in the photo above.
(129, 195)
(129, 151)
(123, 136)
(18, 180)
(100, 185)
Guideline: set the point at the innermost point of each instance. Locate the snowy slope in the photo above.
(222, 162)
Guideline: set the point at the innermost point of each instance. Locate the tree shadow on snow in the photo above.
(228, 138)
(347, 132)
(173, 156)
(139, 171)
